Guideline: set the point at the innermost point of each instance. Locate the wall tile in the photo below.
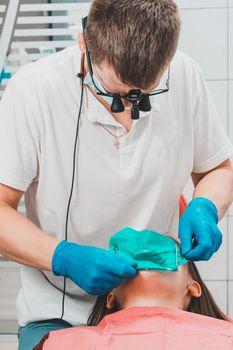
(231, 123)
(201, 3)
(8, 342)
(231, 42)
(206, 44)
(230, 247)
(231, 110)
(219, 291)
(10, 285)
(230, 211)
(230, 293)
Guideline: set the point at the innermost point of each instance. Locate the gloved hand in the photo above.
(199, 221)
(93, 269)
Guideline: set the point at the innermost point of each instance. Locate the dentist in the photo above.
(135, 153)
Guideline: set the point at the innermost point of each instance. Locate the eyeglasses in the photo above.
(139, 100)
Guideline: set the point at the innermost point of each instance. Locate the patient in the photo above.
(166, 304)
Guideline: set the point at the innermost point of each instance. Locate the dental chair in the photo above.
(183, 204)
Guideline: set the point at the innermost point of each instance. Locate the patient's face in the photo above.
(156, 288)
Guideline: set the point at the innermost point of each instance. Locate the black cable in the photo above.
(81, 76)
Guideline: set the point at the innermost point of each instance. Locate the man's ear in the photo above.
(111, 300)
(81, 43)
(195, 289)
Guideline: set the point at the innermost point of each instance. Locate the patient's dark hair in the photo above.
(203, 305)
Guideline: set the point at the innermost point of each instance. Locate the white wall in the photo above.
(207, 36)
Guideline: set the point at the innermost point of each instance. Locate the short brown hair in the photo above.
(137, 37)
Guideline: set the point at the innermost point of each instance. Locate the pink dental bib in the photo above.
(147, 328)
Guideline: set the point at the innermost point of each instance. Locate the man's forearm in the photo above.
(217, 186)
(24, 242)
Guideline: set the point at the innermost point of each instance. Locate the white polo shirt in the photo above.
(137, 185)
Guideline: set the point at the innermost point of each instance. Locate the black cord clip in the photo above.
(80, 75)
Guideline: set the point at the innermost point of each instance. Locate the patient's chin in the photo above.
(148, 274)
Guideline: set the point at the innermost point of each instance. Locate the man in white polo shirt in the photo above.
(129, 172)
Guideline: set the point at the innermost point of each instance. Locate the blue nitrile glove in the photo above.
(93, 269)
(199, 221)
